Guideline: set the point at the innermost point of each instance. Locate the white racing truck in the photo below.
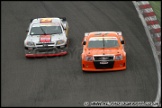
(47, 37)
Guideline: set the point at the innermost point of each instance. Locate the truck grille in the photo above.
(45, 44)
(103, 62)
(44, 47)
(102, 58)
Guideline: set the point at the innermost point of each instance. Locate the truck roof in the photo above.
(46, 22)
(103, 34)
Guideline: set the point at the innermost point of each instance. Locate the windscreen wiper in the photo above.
(103, 43)
(43, 31)
(103, 46)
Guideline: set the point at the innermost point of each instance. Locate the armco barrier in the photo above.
(152, 24)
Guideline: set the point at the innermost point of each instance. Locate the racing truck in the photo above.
(103, 51)
(46, 37)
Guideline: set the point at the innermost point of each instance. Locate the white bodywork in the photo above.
(35, 39)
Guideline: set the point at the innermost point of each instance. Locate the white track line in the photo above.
(158, 96)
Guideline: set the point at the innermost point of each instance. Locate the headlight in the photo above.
(30, 43)
(118, 57)
(60, 42)
(89, 58)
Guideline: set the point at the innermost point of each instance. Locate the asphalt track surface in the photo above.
(59, 81)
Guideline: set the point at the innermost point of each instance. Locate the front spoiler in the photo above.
(46, 55)
(103, 70)
(117, 66)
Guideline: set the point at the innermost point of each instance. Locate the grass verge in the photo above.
(156, 6)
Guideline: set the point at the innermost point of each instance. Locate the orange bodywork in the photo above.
(103, 59)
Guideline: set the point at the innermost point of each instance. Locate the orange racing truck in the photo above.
(103, 51)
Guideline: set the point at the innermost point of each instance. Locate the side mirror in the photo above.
(122, 42)
(64, 28)
(27, 31)
(84, 43)
(31, 20)
(63, 18)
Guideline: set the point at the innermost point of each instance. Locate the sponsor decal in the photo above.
(45, 38)
(103, 62)
(45, 20)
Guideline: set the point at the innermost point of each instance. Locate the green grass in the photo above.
(156, 6)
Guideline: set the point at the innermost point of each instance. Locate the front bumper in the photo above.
(90, 66)
(45, 52)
